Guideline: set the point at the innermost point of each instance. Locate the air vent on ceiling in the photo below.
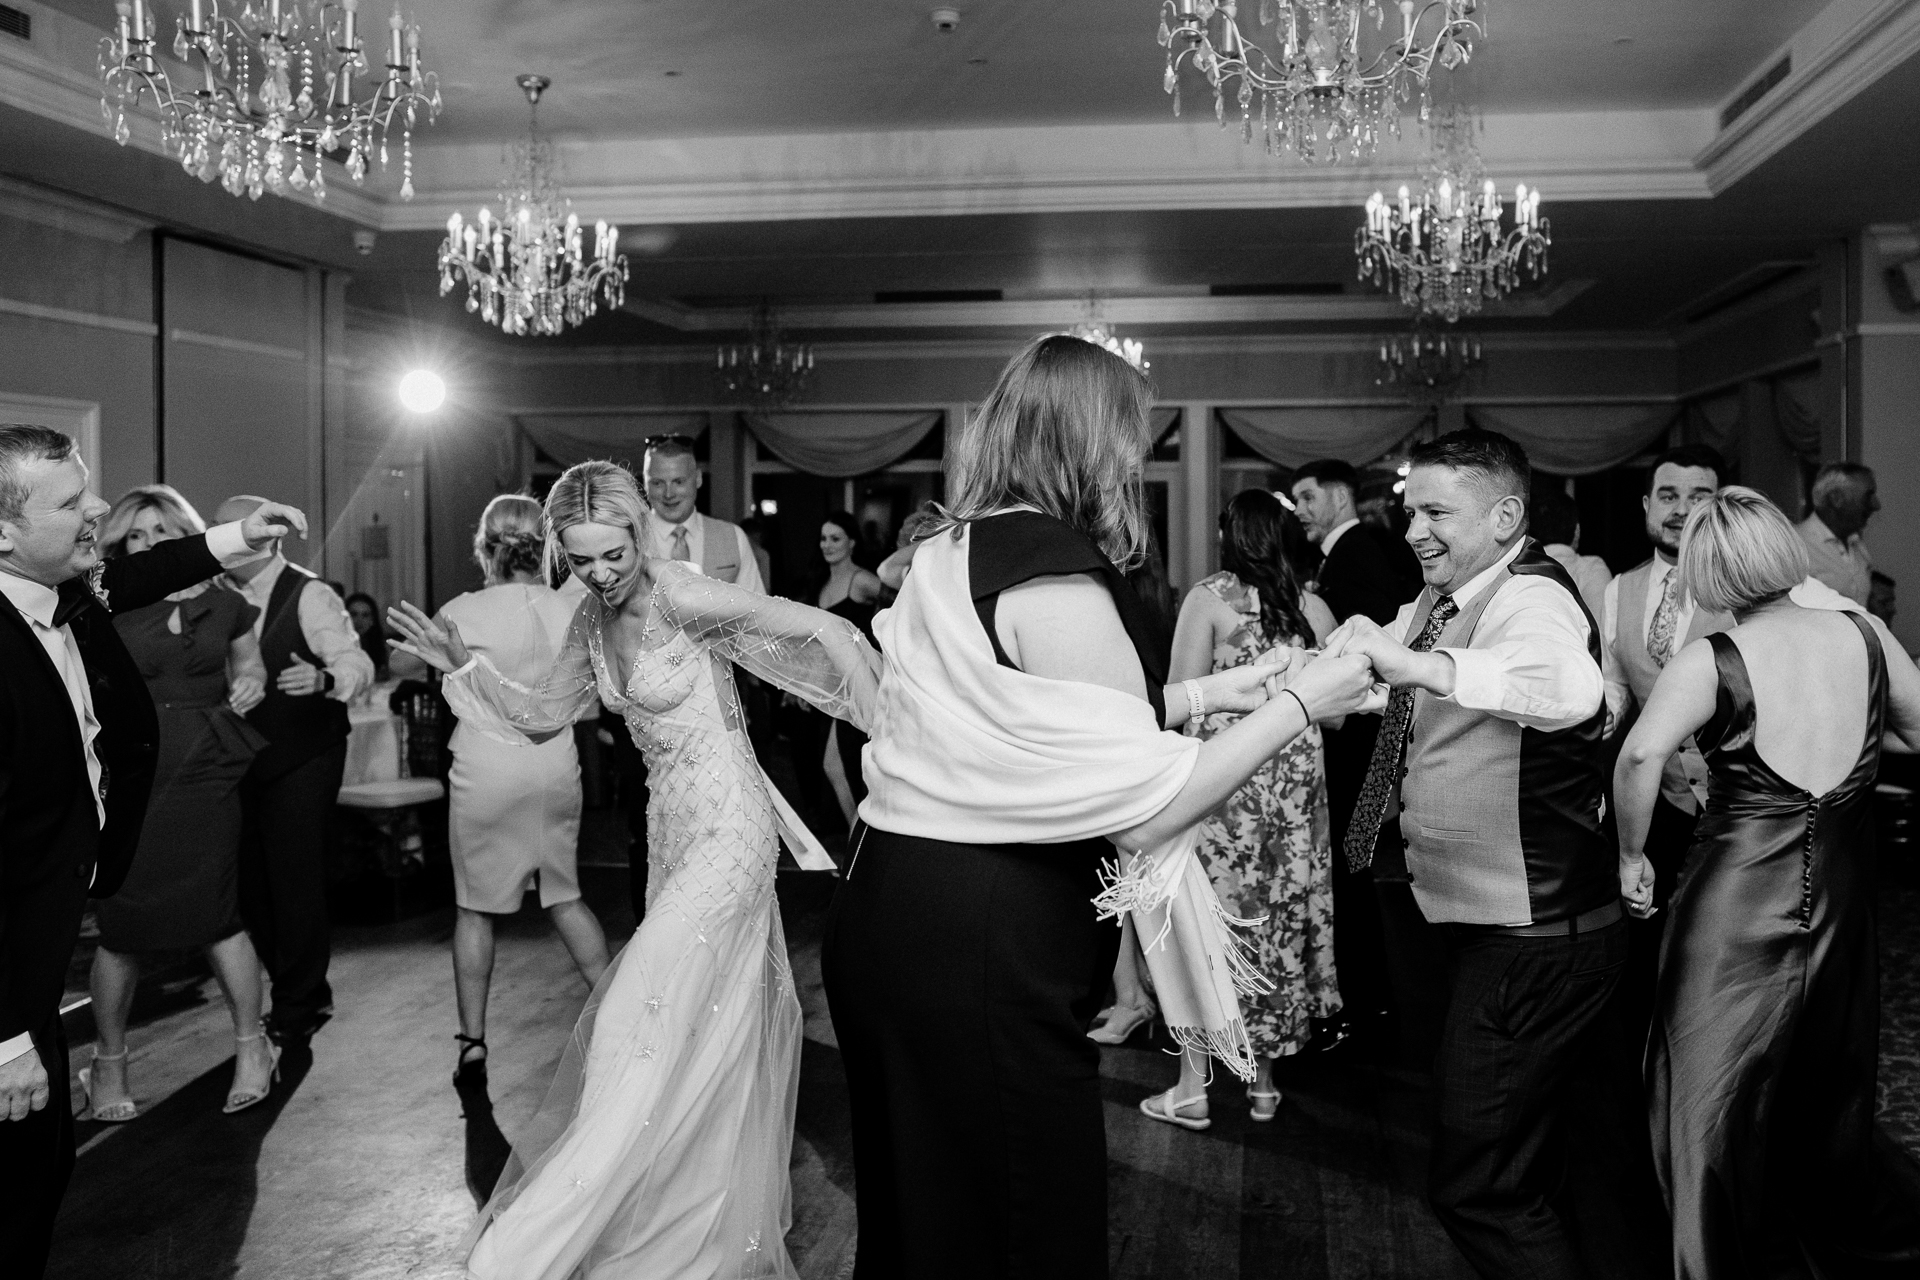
(16, 22)
(1756, 91)
(939, 295)
(1298, 289)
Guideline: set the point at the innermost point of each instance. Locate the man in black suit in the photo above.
(1364, 570)
(77, 745)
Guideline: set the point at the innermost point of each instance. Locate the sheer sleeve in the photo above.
(501, 707)
(808, 652)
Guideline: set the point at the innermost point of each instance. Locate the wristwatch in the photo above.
(326, 681)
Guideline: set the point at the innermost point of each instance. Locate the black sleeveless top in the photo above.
(1017, 546)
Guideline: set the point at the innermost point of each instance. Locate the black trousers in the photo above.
(962, 979)
(283, 885)
(1518, 1008)
(36, 1162)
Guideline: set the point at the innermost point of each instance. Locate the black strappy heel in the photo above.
(470, 1072)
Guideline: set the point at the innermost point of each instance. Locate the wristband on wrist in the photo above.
(1303, 706)
(327, 682)
(1196, 700)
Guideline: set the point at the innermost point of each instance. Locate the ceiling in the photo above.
(688, 68)
(775, 68)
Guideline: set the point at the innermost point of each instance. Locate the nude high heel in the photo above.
(119, 1112)
(239, 1099)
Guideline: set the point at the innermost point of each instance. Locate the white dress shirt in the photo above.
(1532, 665)
(1841, 563)
(36, 602)
(660, 545)
(1334, 534)
(323, 621)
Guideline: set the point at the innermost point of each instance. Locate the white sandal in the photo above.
(239, 1099)
(1168, 1112)
(1254, 1112)
(117, 1113)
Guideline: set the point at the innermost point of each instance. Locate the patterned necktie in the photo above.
(1383, 771)
(680, 543)
(1660, 631)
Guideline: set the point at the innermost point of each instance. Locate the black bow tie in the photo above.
(75, 598)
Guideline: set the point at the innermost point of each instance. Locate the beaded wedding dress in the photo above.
(662, 1147)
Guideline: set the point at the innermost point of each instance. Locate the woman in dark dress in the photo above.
(1019, 745)
(364, 611)
(1761, 1067)
(197, 652)
(853, 593)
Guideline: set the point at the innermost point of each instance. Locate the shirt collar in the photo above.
(666, 527)
(36, 600)
(1481, 581)
(1334, 534)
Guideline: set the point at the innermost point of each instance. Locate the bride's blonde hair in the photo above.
(593, 493)
(1065, 429)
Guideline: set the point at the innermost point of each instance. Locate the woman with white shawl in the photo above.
(1020, 740)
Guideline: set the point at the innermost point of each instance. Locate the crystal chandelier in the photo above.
(1339, 77)
(1427, 362)
(277, 91)
(1101, 334)
(766, 368)
(1447, 249)
(527, 270)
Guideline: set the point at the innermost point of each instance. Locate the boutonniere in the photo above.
(95, 577)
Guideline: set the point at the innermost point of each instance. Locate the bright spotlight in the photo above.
(422, 391)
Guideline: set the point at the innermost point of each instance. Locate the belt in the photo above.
(1571, 926)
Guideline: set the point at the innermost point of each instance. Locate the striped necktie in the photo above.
(1383, 771)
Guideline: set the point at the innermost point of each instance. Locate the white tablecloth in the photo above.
(376, 740)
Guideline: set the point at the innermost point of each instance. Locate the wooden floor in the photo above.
(366, 1164)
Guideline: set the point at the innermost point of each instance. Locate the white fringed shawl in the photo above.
(968, 750)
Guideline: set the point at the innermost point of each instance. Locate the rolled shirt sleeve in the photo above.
(1533, 668)
(1619, 691)
(329, 633)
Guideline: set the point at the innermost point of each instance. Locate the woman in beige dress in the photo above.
(514, 818)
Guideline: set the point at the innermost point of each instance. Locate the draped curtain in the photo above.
(1292, 437)
(841, 444)
(568, 438)
(1577, 439)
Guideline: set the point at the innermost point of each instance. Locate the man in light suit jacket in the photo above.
(1491, 751)
(78, 739)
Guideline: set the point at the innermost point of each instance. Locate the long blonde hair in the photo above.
(164, 498)
(1065, 429)
(593, 493)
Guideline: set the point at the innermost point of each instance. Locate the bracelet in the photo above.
(1196, 700)
(1303, 706)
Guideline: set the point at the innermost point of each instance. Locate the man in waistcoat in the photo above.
(315, 666)
(1491, 750)
(675, 531)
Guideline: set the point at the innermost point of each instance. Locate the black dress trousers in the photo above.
(283, 886)
(36, 1162)
(962, 979)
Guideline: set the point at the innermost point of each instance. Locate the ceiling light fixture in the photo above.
(1096, 330)
(527, 270)
(1446, 250)
(765, 369)
(278, 91)
(422, 391)
(1322, 96)
(1427, 362)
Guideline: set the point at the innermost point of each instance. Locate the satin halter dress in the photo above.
(1761, 1067)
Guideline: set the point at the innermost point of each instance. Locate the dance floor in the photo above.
(366, 1164)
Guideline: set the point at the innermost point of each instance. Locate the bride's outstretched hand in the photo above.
(439, 647)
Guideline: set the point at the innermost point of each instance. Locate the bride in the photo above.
(663, 1144)
(662, 1147)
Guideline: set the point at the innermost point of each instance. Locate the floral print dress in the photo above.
(1269, 852)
